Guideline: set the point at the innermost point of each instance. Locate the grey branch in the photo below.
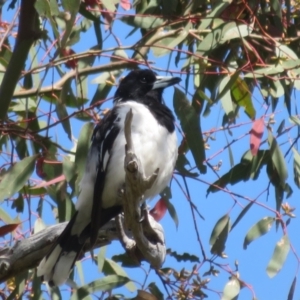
(27, 253)
(148, 235)
(57, 86)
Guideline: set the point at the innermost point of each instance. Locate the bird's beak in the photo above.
(165, 81)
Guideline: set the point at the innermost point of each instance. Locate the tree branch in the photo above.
(148, 235)
(58, 85)
(27, 253)
(28, 32)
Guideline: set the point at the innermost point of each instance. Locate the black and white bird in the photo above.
(155, 144)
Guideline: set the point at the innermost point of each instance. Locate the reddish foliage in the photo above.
(159, 210)
(8, 228)
(39, 167)
(72, 63)
(91, 3)
(125, 4)
(234, 11)
(256, 134)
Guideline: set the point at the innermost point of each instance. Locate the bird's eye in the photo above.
(143, 80)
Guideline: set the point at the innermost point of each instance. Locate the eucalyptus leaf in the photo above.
(279, 256)
(16, 177)
(257, 230)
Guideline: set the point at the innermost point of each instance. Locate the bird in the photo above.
(155, 144)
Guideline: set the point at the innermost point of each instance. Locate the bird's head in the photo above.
(138, 83)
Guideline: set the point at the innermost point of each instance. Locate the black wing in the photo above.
(103, 139)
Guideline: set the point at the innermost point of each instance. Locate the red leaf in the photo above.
(39, 167)
(256, 134)
(72, 63)
(8, 228)
(125, 4)
(91, 3)
(159, 210)
(234, 10)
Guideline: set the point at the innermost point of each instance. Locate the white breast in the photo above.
(153, 145)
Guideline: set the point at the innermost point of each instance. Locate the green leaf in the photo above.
(80, 272)
(279, 256)
(181, 162)
(262, 158)
(72, 6)
(295, 120)
(110, 267)
(168, 44)
(217, 10)
(5, 217)
(104, 284)
(126, 260)
(190, 123)
(276, 6)
(142, 22)
(107, 76)
(87, 14)
(219, 235)
(211, 40)
(259, 229)
(21, 147)
(18, 203)
(242, 97)
(172, 212)
(292, 289)
(20, 105)
(39, 225)
(225, 96)
(218, 228)
(101, 258)
(152, 287)
(281, 127)
(68, 168)
(55, 293)
(232, 31)
(28, 83)
(277, 159)
(279, 193)
(241, 214)
(169, 7)
(109, 5)
(47, 8)
(83, 146)
(101, 92)
(16, 177)
(296, 165)
(276, 89)
(238, 173)
(223, 32)
(183, 257)
(262, 72)
(231, 289)
(63, 116)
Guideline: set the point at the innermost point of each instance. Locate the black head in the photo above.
(138, 83)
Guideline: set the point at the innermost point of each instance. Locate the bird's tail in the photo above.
(56, 266)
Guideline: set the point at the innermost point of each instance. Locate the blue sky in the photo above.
(254, 260)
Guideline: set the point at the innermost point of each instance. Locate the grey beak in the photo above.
(165, 81)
